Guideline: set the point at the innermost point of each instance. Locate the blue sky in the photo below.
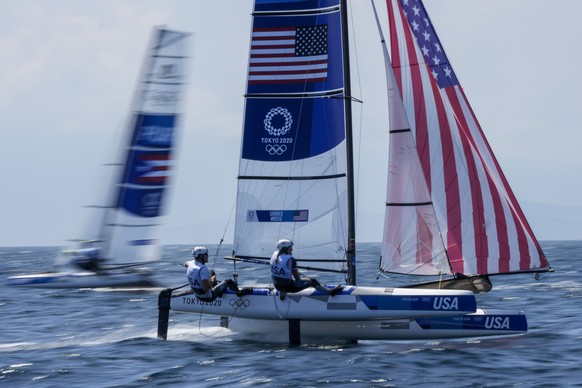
(68, 71)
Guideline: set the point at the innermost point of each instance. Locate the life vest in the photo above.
(281, 265)
(196, 272)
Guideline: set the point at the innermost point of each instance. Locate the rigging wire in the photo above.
(235, 278)
(360, 100)
(224, 234)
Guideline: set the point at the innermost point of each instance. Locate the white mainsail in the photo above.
(293, 170)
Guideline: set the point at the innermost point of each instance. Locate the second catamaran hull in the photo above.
(57, 280)
(353, 303)
(479, 324)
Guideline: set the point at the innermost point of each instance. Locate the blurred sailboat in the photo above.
(124, 235)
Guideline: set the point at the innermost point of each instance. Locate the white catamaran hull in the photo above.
(54, 280)
(353, 304)
(479, 324)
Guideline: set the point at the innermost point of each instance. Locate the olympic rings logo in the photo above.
(239, 303)
(276, 149)
(269, 118)
(426, 299)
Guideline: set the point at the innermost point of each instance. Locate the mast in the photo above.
(351, 251)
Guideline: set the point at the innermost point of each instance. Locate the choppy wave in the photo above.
(108, 338)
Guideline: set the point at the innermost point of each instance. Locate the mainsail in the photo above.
(130, 221)
(450, 209)
(293, 174)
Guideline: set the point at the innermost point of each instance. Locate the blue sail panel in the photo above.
(143, 202)
(154, 130)
(295, 54)
(293, 5)
(148, 165)
(291, 129)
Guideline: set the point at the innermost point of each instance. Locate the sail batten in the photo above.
(337, 93)
(293, 178)
(427, 203)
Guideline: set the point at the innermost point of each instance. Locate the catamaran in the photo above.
(124, 234)
(449, 210)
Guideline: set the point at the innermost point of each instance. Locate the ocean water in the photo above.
(107, 338)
